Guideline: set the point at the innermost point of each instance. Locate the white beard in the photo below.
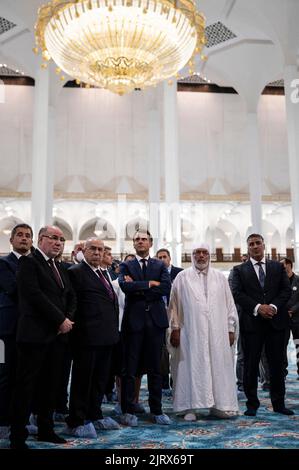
(201, 266)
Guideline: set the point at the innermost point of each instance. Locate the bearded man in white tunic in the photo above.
(203, 331)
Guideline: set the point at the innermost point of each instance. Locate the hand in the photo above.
(65, 326)
(290, 312)
(175, 338)
(128, 279)
(154, 283)
(231, 336)
(266, 311)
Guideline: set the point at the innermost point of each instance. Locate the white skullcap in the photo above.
(202, 246)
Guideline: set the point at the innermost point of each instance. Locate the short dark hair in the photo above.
(16, 228)
(129, 255)
(107, 248)
(163, 249)
(287, 261)
(255, 235)
(143, 231)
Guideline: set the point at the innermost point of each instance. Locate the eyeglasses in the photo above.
(55, 237)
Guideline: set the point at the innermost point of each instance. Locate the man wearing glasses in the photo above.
(46, 304)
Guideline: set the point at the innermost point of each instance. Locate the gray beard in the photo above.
(201, 266)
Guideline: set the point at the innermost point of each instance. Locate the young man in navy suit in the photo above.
(262, 289)
(145, 281)
(21, 241)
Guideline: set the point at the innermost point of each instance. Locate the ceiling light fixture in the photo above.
(120, 44)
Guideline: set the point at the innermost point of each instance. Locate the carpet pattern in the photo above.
(267, 430)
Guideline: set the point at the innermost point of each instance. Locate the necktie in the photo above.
(261, 274)
(55, 272)
(105, 274)
(105, 283)
(143, 261)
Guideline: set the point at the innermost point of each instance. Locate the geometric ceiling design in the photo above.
(277, 83)
(217, 33)
(193, 79)
(7, 72)
(5, 25)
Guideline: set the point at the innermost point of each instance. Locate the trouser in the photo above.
(274, 349)
(143, 346)
(7, 377)
(38, 366)
(294, 328)
(90, 372)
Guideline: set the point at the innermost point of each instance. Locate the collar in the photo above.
(43, 254)
(17, 255)
(254, 261)
(140, 257)
(91, 267)
(203, 271)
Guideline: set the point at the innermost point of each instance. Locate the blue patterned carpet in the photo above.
(267, 430)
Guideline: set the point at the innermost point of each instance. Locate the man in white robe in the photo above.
(202, 334)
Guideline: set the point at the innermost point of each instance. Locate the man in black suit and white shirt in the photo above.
(21, 241)
(94, 334)
(262, 289)
(46, 305)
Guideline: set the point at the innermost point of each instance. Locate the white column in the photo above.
(120, 228)
(252, 149)
(43, 154)
(172, 182)
(291, 84)
(154, 163)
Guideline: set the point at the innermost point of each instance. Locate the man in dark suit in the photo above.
(92, 339)
(164, 255)
(21, 241)
(262, 289)
(145, 281)
(293, 311)
(46, 304)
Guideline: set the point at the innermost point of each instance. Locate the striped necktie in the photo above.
(261, 274)
(105, 283)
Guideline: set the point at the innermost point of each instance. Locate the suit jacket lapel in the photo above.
(94, 277)
(149, 268)
(252, 274)
(12, 261)
(268, 272)
(136, 269)
(39, 257)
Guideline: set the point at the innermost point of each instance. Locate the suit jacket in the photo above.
(96, 317)
(43, 304)
(174, 272)
(141, 300)
(248, 292)
(293, 302)
(8, 295)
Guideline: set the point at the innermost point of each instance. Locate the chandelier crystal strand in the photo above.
(120, 44)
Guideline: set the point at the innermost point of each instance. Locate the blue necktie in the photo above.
(261, 274)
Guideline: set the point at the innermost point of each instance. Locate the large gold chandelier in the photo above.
(120, 44)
